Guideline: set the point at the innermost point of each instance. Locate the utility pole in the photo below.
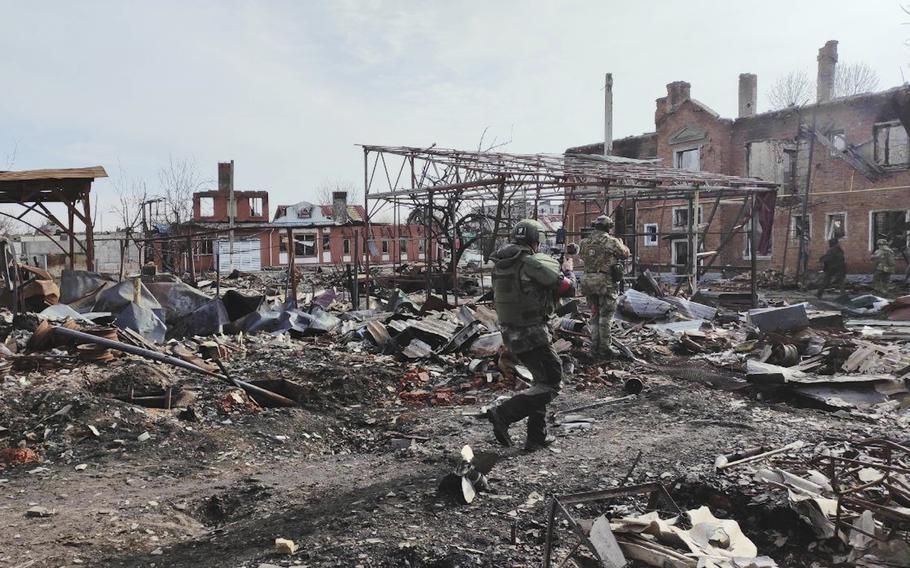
(232, 214)
(608, 115)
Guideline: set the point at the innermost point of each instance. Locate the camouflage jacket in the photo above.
(884, 259)
(600, 251)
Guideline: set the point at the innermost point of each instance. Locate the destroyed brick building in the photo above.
(324, 234)
(858, 184)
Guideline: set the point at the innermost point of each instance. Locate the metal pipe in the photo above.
(162, 358)
(133, 350)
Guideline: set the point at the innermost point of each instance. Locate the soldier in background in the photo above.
(602, 254)
(834, 266)
(526, 284)
(884, 265)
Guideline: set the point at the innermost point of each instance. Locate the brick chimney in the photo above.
(225, 175)
(340, 207)
(827, 63)
(748, 94)
(677, 94)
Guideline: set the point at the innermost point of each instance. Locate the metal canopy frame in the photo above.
(33, 189)
(413, 176)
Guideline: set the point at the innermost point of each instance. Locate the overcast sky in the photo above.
(286, 89)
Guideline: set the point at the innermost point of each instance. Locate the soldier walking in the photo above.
(525, 286)
(834, 266)
(884, 265)
(602, 254)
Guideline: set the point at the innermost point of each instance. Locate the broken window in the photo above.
(838, 142)
(747, 232)
(789, 180)
(402, 248)
(891, 144)
(255, 206)
(650, 234)
(836, 226)
(681, 217)
(689, 160)
(206, 246)
(890, 225)
(346, 246)
(304, 245)
(799, 226)
(385, 247)
(206, 206)
(421, 246)
(304, 212)
(326, 242)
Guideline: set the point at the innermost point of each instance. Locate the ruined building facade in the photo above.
(849, 155)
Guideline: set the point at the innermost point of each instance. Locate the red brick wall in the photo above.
(835, 185)
(412, 234)
(220, 203)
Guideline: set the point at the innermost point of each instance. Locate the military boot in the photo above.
(534, 445)
(500, 428)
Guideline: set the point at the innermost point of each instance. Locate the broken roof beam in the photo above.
(443, 188)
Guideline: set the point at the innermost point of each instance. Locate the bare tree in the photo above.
(325, 189)
(179, 180)
(792, 90)
(11, 156)
(9, 226)
(131, 194)
(854, 79)
(796, 89)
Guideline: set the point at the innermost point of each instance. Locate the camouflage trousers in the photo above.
(881, 280)
(603, 306)
(531, 403)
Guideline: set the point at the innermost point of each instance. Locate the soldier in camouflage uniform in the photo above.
(602, 254)
(884, 265)
(525, 286)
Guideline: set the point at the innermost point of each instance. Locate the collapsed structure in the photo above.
(767, 429)
(842, 165)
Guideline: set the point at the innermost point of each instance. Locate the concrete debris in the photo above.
(359, 411)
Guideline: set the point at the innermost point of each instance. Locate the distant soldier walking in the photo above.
(602, 254)
(525, 287)
(884, 265)
(834, 265)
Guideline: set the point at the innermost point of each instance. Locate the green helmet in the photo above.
(881, 242)
(527, 232)
(603, 223)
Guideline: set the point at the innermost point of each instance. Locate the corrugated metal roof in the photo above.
(62, 173)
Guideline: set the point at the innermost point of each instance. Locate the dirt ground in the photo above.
(352, 476)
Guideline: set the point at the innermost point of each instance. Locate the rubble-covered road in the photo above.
(219, 492)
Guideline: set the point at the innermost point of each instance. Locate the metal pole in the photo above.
(355, 291)
(189, 251)
(72, 234)
(427, 241)
(367, 227)
(291, 293)
(802, 263)
(753, 253)
(232, 213)
(217, 252)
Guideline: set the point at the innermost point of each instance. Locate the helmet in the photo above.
(603, 223)
(572, 248)
(527, 232)
(881, 242)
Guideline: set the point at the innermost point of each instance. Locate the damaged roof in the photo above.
(91, 172)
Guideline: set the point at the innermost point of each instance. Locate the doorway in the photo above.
(680, 256)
